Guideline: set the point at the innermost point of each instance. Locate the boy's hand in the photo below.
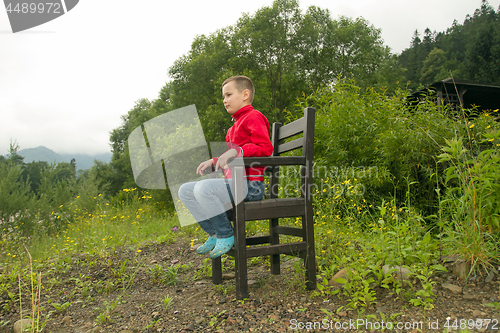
(222, 161)
(203, 166)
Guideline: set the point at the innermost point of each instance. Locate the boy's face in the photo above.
(234, 99)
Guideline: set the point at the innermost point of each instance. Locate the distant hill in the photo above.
(42, 153)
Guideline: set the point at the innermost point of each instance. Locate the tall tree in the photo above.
(432, 66)
(286, 53)
(480, 60)
(471, 50)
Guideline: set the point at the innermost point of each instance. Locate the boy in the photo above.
(249, 137)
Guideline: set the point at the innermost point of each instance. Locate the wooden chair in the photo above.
(274, 208)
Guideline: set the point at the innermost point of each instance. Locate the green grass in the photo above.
(114, 225)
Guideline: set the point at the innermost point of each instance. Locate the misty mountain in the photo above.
(41, 153)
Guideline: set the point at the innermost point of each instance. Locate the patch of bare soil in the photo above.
(129, 292)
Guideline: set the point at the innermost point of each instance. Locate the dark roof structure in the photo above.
(461, 94)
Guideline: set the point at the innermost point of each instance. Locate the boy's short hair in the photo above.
(242, 82)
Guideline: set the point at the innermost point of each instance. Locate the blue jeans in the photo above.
(205, 198)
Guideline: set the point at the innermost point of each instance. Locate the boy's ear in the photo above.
(246, 94)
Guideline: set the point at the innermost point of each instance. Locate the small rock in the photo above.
(461, 268)
(189, 327)
(400, 272)
(476, 313)
(303, 299)
(155, 314)
(470, 297)
(199, 320)
(381, 308)
(126, 331)
(153, 262)
(20, 325)
(66, 320)
(173, 262)
(490, 276)
(342, 314)
(228, 276)
(335, 280)
(251, 282)
(451, 287)
(275, 317)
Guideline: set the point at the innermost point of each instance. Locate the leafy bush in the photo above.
(379, 137)
(15, 196)
(473, 195)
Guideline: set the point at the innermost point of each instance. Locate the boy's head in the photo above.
(237, 91)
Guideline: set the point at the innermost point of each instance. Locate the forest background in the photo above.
(420, 178)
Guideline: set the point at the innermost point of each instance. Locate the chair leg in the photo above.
(275, 264)
(241, 276)
(310, 263)
(217, 271)
(275, 239)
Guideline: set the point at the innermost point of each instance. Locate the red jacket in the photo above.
(250, 137)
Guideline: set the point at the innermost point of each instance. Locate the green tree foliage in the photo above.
(286, 52)
(31, 192)
(32, 172)
(468, 51)
(433, 65)
(15, 195)
(118, 174)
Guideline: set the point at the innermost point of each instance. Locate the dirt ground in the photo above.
(129, 291)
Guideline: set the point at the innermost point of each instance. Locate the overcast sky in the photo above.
(66, 83)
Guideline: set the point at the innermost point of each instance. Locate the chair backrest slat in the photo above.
(292, 145)
(294, 128)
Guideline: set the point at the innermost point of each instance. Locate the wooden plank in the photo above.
(282, 230)
(273, 212)
(257, 240)
(290, 248)
(292, 145)
(308, 224)
(294, 128)
(274, 161)
(274, 203)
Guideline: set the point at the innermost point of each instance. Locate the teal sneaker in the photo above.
(223, 245)
(207, 246)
